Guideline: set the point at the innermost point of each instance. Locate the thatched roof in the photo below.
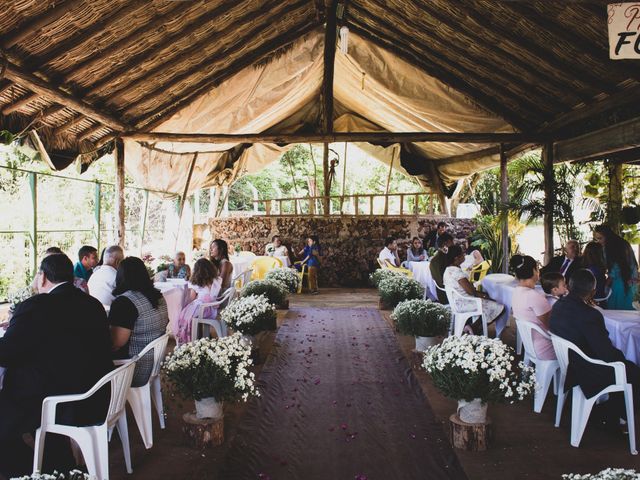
(83, 71)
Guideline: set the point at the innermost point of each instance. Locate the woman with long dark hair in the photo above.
(138, 316)
(622, 265)
(219, 255)
(593, 260)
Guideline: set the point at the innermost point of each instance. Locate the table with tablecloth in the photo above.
(176, 294)
(240, 264)
(624, 331)
(422, 274)
(284, 259)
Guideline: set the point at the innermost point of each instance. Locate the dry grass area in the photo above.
(526, 445)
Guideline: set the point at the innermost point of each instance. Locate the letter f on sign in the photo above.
(622, 40)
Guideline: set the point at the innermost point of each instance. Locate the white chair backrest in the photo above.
(159, 347)
(454, 296)
(525, 329)
(227, 296)
(246, 276)
(120, 380)
(605, 298)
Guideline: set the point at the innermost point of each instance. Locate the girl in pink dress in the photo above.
(204, 287)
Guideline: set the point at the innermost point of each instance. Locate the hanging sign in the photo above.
(624, 30)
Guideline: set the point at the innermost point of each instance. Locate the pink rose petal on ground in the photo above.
(317, 382)
(343, 426)
(360, 477)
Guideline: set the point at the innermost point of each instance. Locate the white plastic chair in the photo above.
(603, 299)
(546, 370)
(92, 440)
(140, 398)
(459, 317)
(581, 405)
(242, 278)
(219, 326)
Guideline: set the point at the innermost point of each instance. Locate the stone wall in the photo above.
(350, 244)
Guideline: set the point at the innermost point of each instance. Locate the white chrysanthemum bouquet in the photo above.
(286, 276)
(608, 474)
(250, 315)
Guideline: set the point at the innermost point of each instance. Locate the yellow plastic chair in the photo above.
(261, 265)
(477, 273)
(402, 270)
(245, 253)
(301, 275)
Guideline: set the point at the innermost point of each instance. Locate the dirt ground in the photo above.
(525, 444)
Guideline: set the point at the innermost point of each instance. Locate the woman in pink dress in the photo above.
(204, 287)
(530, 305)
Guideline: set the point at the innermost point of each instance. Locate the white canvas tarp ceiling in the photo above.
(373, 91)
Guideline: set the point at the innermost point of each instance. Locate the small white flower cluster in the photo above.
(73, 475)
(474, 366)
(19, 296)
(608, 474)
(382, 273)
(422, 318)
(231, 354)
(285, 276)
(246, 310)
(397, 288)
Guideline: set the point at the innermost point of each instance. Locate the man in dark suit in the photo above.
(438, 264)
(565, 264)
(431, 240)
(575, 319)
(57, 343)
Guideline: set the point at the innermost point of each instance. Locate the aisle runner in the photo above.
(339, 401)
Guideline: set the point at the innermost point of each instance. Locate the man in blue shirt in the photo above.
(87, 259)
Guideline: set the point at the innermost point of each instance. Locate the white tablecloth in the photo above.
(177, 296)
(422, 274)
(624, 331)
(284, 259)
(240, 264)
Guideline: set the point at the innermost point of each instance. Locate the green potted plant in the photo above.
(287, 277)
(381, 274)
(425, 320)
(275, 291)
(395, 289)
(250, 315)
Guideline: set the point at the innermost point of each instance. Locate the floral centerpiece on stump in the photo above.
(286, 277)
(275, 291)
(250, 314)
(423, 319)
(395, 289)
(72, 475)
(380, 274)
(212, 370)
(608, 474)
(476, 370)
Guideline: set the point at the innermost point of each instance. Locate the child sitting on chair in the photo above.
(554, 286)
(204, 287)
(311, 257)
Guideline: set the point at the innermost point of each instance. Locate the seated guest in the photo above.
(219, 255)
(388, 256)
(87, 260)
(593, 260)
(138, 316)
(574, 319)
(103, 281)
(57, 344)
(554, 286)
(431, 240)
(416, 253)
(204, 287)
(439, 263)
(565, 264)
(457, 280)
(179, 267)
(531, 306)
(276, 248)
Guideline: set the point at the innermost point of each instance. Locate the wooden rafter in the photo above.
(136, 35)
(454, 80)
(69, 124)
(150, 120)
(459, 26)
(31, 27)
(18, 104)
(155, 53)
(48, 89)
(89, 132)
(223, 54)
(86, 35)
(6, 86)
(47, 112)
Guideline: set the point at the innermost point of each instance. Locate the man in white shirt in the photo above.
(103, 280)
(389, 254)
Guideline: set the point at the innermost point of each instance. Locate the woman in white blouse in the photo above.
(457, 280)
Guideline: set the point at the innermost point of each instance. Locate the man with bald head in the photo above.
(565, 264)
(103, 280)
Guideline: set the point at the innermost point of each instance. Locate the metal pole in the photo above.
(504, 198)
(97, 205)
(144, 219)
(33, 186)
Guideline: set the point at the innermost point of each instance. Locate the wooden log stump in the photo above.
(202, 433)
(416, 357)
(284, 305)
(472, 437)
(383, 306)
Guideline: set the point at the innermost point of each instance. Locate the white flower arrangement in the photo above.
(608, 474)
(422, 318)
(285, 276)
(380, 274)
(213, 367)
(72, 475)
(19, 296)
(473, 366)
(397, 288)
(250, 314)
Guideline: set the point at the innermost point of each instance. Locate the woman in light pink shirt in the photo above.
(530, 305)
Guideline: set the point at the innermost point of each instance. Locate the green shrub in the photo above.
(422, 318)
(275, 292)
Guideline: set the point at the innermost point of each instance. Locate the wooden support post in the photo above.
(327, 94)
(504, 199)
(386, 189)
(33, 185)
(370, 204)
(213, 207)
(415, 206)
(401, 205)
(614, 205)
(144, 219)
(119, 153)
(97, 206)
(549, 200)
(344, 176)
(356, 205)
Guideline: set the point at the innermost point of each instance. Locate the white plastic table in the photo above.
(422, 274)
(624, 331)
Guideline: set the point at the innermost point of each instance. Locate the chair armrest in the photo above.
(618, 367)
(121, 361)
(202, 306)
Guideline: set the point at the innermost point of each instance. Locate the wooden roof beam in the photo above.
(153, 53)
(69, 124)
(164, 111)
(32, 26)
(17, 105)
(42, 87)
(49, 111)
(206, 63)
(6, 86)
(457, 78)
(89, 132)
(116, 47)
